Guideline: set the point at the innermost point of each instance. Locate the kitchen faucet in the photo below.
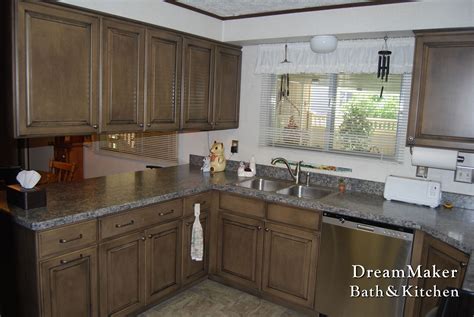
(296, 174)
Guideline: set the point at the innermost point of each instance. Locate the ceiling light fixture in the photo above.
(323, 44)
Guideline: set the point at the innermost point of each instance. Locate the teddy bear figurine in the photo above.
(217, 157)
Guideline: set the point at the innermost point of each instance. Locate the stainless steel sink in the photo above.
(302, 191)
(265, 185)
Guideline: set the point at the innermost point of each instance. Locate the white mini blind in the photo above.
(341, 113)
(154, 146)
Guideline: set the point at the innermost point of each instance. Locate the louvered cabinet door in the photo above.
(227, 88)
(123, 76)
(198, 84)
(57, 70)
(163, 80)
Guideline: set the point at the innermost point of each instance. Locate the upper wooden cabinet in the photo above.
(198, 84)
(211, 86)
(81, 72)
(227, 88)
(442, 99)
(164, 51)
(57, 71)
(123, 76)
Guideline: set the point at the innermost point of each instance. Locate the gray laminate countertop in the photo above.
(95, 197)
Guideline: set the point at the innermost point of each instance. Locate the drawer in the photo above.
(242, 205)
(122, 223)
(164, 211)
(204, 199)
(139, 218)
(310, 219)
(67, 238)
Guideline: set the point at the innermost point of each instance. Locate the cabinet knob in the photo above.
(148, 125)
(411, 139)
(150, 236)
(95, 126)
(463, 264)
(143, 238)
(259, 228)
(266, 229)
(140, 125)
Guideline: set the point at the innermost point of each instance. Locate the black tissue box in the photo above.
(26, 198)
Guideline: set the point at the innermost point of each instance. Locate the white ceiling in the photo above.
(228, 8)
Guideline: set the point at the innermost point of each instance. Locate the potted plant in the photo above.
(342, 185)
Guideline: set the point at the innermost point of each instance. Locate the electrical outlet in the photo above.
(464, 174)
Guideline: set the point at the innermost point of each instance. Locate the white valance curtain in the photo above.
(351, 56)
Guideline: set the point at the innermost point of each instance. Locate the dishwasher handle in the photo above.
(365, 228)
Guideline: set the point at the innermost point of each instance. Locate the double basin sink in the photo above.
(285, 188)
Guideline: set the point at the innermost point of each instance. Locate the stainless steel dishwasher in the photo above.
(347, 241)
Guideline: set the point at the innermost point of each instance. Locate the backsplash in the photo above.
(352, 184)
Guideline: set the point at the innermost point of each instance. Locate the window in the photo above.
(340, 113)
(156, 147)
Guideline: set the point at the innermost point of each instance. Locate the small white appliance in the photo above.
(413, 190)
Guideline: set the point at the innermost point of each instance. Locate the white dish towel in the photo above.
(197, 241)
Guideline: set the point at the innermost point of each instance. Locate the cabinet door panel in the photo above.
(239, 251)
(227, 89)
(123, 78)
(163, 260)
(442, 101)
(290, 264)
(443, 257)
(193, 270)
(198, 79)
(69, 284)
(58, 71)
(163, 80)
(122, 274)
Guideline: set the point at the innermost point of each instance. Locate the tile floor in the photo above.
(212, 299)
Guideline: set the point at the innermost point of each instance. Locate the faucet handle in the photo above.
(307, 178)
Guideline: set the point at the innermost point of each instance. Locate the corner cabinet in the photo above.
(227, 88)
(57, 56)
(442, 99)
(211, 86)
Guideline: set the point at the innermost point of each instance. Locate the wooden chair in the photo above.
(63, 171)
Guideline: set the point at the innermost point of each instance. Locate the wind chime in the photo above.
(383, 68)
(285, 78)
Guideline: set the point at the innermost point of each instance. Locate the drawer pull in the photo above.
(67, 261)
(259, 228)
(266, 229)
(125, 224)
(463, 264)
(166, 213)
(70, 240)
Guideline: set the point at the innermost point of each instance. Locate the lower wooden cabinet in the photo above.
(70, 284)
(122, 275)
(193, 270)
(278, 259)
(239, 250)
(163, 260)
(443, 256)
(289, 264)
